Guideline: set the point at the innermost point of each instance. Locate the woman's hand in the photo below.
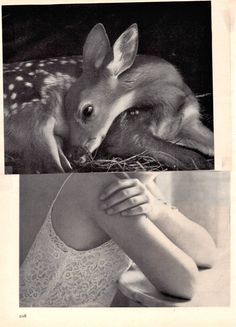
(129, 197)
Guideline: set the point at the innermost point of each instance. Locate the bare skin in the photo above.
(135, 196)
(149, 236)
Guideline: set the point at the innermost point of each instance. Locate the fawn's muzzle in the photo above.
(81, 154)
(78, 154)
(92, 144)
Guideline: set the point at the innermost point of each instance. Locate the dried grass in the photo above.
(140, 162)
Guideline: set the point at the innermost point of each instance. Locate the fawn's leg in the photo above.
(173, 115)
(132, 137)
(31, 133)
(50, 148)
(64, 161)
(196, 136)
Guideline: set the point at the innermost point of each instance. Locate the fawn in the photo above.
(111, 97)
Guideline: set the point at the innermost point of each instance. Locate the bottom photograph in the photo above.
(125, 239)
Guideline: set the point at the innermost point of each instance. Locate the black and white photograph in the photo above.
(156, 239)
(108, 87)
(117, 168)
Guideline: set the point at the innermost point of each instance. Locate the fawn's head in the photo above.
(98, 96)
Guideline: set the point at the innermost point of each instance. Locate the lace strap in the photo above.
(59, 191)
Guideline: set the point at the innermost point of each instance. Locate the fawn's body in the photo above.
(136, 103)
(33, 102)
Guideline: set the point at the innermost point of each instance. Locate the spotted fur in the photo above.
(140, 103)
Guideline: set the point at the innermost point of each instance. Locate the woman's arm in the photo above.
(130, 198)
(191, 237)
(165, 265)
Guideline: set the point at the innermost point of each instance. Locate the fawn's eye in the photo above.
(87, 111)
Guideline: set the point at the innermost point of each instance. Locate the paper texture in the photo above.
(224, 81)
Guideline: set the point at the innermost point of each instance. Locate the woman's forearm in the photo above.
(189, 236)
(169, 268)
(130, 198)
(192, 238)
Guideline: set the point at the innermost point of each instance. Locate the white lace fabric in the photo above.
(56, 275)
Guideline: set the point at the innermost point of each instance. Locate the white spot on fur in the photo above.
(35, 100)
(24, 104)
(61, 81)
(42, 64)
(63, 62)
(72, 61)
(14, 111)
(9, 70)
(13, 96)
(6, 112)
(5, 96)
(11, 87)
(14, 106)
(28, 84)
(29, 64)
(50, 80)
(31, 73)
(42, 71)
(19, 78)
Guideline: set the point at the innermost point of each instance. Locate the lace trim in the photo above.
(55, 275)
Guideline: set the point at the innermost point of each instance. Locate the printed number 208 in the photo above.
(22, 316)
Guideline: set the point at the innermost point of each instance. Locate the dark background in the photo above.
(179, 32)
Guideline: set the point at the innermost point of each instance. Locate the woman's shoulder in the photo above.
(72, 212)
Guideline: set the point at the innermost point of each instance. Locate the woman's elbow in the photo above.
(184, 282)
(189, 282)
(208, 257)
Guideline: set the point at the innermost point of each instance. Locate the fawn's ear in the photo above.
(96, 48)
(124, 51)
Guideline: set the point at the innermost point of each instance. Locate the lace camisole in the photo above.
(56, 275)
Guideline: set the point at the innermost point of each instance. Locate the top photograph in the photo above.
(108, 87)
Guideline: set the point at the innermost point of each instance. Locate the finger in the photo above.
(120, 196)
(116, 186)
(139, 210)
(127, 204)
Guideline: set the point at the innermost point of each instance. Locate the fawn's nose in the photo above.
(82, 154)
(79, 155)
(76, 152)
